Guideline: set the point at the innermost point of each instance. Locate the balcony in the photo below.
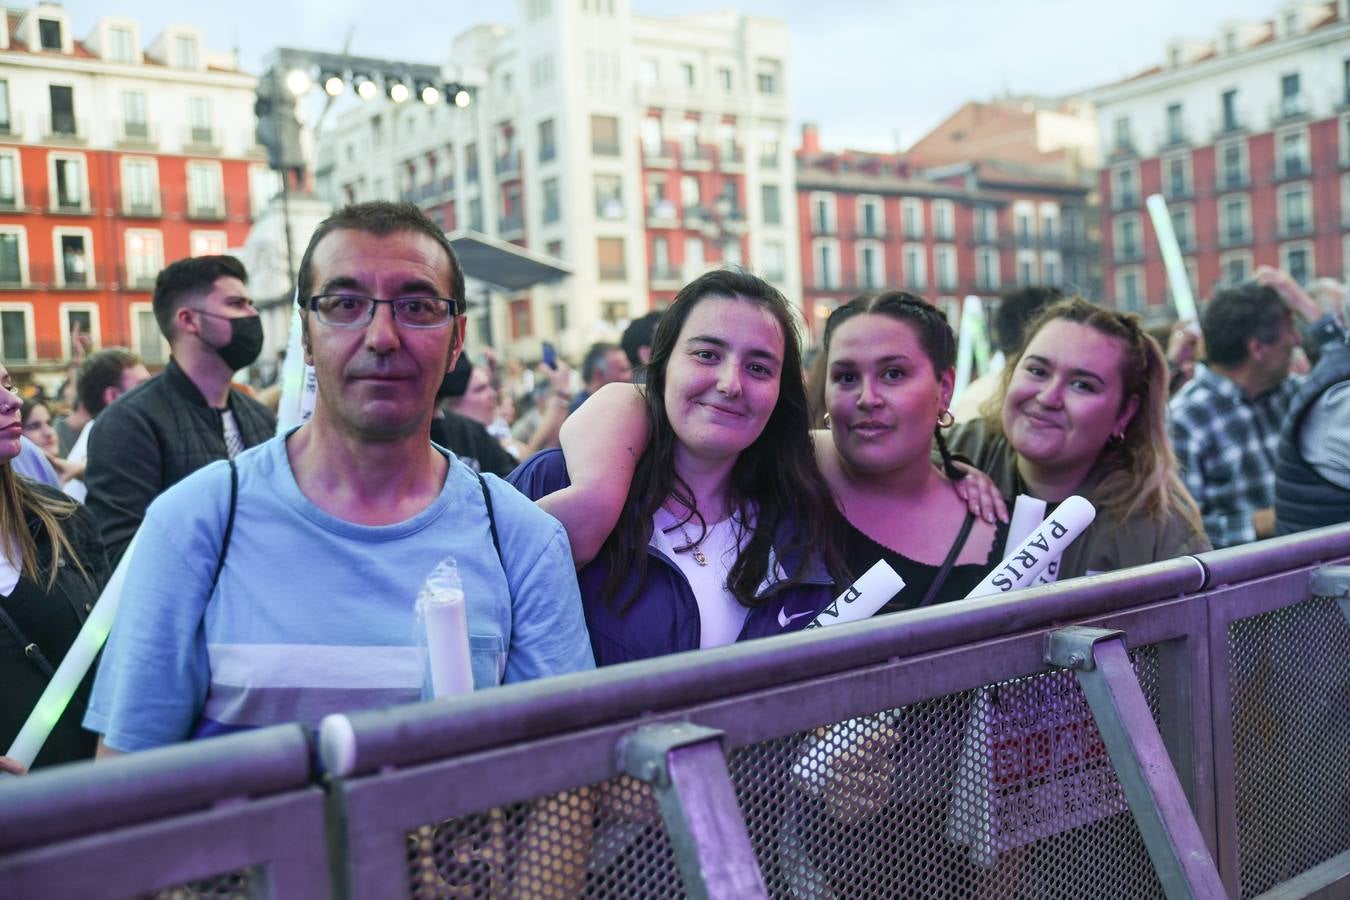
(1175, 140)
(12, 277)
(1129, 253)
(1178, 191)
(697, 216)
(1231, 180)
(508, 166)
(662, 214)
(146, 204)
(71, 274)
(65, 130)
(206, 210)
(1125, 200)
(1026, 240)
(71, 204)
(548, 152)
(826, 281)
(666, 278)
(697, 157)
(731, 158)
(512, 223)
(1229, 127)
(1294, 228)
(136, 135)
(1292, 167)
(769, 158)
(140, 279)
(660, 154)
(824, 229)
(1289, 109)
(912, 231)
(11, 126)
(1234, 237)
(201, 139)
(448, 185)
(1123, 150)
(610, 208)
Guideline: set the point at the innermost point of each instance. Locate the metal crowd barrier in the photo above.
(1180, 729)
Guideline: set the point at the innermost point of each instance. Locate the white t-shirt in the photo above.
(721, 616)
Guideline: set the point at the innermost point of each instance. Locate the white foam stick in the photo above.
(862, 598)
(67, 677)
(1177, 279)
(1026, 515)
(972, 321)
(298, 385)
(448, 642)
(1029, 559)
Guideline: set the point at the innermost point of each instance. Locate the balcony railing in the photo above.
(661, 153)
(508, 165)
(666, 274)
(65, 129)
(71, 204)
(140, 204)
(1294, 228)
(1231, 180)
(137, 134)
(1234, 237)
(1288, 109)
(730, 155)
(1292, 167)
(201, 138)
(1129, 253)
(511, 223)
(609, 208)
(696, 156)
(824, 228)
(662, 213)
(206, 210)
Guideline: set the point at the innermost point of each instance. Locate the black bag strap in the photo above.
(229, 524)
(492, 520)
(30, 649)
(950, 561)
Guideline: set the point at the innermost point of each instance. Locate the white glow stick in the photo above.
(972, 320)
(862, 598)
(1177, 279)
(1026, 515)
(1024, 564)
(67, 677)
(298, 384)
(447, 624)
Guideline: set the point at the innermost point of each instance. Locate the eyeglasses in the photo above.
(356, 311)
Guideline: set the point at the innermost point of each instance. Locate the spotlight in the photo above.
(429, 93)
(366, 89)
(398, 91)
(298, 82)
(333, 84)
(461, 96)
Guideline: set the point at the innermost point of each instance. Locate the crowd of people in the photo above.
(686, 488)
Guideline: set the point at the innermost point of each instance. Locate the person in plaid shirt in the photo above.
(1225, 423)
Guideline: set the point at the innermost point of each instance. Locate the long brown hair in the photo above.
(1139, 474)
(19, 502)
(775, 482)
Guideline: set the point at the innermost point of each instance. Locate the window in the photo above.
(1296, 216)
(1026, 267)
(1050, 268)
(476, 214)
(81, 315)
(689, 138)
(944, 220)
(1125, 187)
(1291, 100)
(121, 44)
(661, 267)
(944, 260)
(604, 135)
(145, 257)
(140, 187)
(204, 191)
(63, 110)
(773, 261)
(134, 124)
(206, 243)
(724, 79)
(5, 125)
(1177, 176)
(263, 185)
(199, 120)
(185, 52)
(649, 72)
(1234, 220)
(694, 258)
(911, 217)
(1183, 225)
(1228, 101)
(916, 267)
(609, 196)
(1129, 290)
(1232, 158)
(870, 217)
(74, 267)
(687, 75)
(1122, 134)
(471, 163)
(16, 331)
(822, 213)
(1127, 239)
(1024, 227)
(1235, 268)
(1049, 225)
(548, 148)
(1297, 260)
(731, 252)
(559, 313)
(1176, 129)
(69, 193)
(771, 204)
(986, 224)
(610, 259)
(13, 256)
(691, 196)
(768, 147)
(651, 136)
(10, 180)
(768, 73)
(871, 266)
(1293, 153)
(552, 201)
(49, 34)
(986, 269)
(826, 257)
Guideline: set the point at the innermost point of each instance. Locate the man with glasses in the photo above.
(189, 415)
(291, 593)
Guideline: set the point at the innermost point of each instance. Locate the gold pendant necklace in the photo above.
(695, 547)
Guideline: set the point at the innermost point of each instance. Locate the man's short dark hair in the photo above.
(596, 360)
(639, 334)
(379, 218)
(1238, 314)
(1015, 311)
(101, 370)
(180, 281)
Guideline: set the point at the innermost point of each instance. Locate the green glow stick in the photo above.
(1177, 279)
(67, 677)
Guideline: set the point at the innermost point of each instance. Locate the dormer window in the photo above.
(121, 44)
(185, 52)
(49, 34)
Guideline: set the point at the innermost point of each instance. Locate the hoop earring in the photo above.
(946, 419)
(826, 419)
(1115, 440)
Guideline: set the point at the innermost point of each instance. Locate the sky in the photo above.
(873, 75)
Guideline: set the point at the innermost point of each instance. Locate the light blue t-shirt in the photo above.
(313, 614)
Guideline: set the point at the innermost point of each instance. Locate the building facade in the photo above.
(872, 221)
(115, 157)
(638, 151)
(1248, 139)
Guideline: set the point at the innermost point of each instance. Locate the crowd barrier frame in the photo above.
(672, 722)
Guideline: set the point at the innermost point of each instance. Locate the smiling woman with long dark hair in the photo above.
(728, 529)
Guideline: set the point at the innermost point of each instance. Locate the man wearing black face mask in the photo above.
(188, 415)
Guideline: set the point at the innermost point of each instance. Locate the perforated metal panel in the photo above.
(230, 886)
(1003, 791)
(605, 841)
(1290, 672)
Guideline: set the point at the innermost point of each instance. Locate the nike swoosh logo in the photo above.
(783, 620)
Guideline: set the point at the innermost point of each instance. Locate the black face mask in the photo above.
(245, 343)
